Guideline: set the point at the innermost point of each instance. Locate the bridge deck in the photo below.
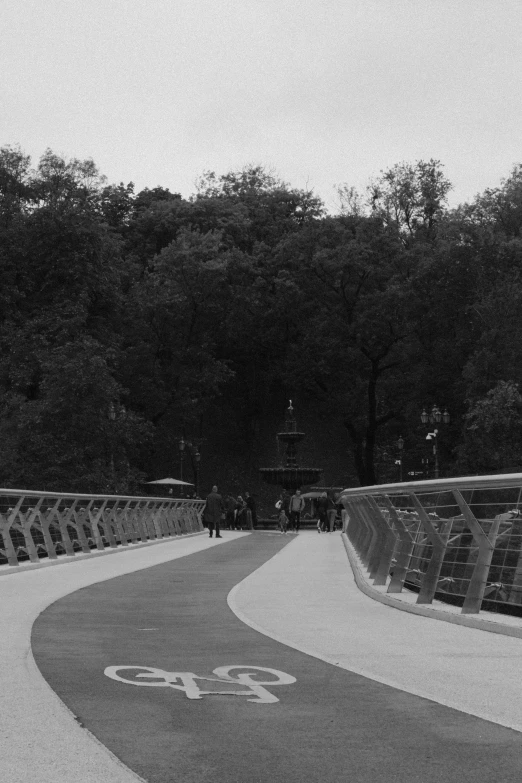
(379, 694)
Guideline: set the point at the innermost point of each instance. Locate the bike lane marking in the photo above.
(330, 725)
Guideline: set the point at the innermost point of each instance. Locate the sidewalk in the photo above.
(306, 597)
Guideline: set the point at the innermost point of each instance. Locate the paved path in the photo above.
(331, 724)
(39, 740)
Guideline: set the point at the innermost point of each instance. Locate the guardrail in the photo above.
(458, 540)
(36, 525)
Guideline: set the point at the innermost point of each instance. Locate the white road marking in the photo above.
(186, 681)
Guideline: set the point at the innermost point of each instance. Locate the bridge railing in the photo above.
(36, 525)
(458, 539)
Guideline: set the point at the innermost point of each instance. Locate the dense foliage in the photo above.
(129, 319)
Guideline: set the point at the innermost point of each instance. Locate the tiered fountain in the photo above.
(291, 476)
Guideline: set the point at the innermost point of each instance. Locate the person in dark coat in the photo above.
(213, 510)
(251, 503)
(230, 509)
(241, 508)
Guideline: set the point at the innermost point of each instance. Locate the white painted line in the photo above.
(186, 681)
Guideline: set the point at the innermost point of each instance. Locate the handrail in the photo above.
(462, 482)
(39, 493)
(463, 543)
(34, 525)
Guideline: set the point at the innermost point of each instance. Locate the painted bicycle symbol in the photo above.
(240, 685)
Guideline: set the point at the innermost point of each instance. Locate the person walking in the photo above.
(212, 512)
(241, 508)
(251, 503)
(297, 504)
(283, 521)
(321, 505)
(230, 505)
(332, 514)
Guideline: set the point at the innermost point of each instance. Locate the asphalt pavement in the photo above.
(196, 703)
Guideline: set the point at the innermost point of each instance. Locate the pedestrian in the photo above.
(251, 503)
(212, 512)
(297, 504)
(321, 505)
(230, 505)
(283, 521)
(332, 514)
(240, 515)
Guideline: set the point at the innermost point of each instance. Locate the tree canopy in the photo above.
(130, 319)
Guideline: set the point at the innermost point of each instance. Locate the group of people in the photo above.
(290, 508)
(233, 513)
(240, 513)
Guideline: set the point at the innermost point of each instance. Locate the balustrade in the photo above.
(458, 539)
(36, 525)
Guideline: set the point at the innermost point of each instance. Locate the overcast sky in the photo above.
(322, 91)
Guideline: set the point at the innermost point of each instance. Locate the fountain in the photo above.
(290, 477)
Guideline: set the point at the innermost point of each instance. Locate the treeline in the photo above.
(128, 319)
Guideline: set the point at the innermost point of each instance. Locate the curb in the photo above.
(434, 614)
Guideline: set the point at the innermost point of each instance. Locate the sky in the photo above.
(322, 92)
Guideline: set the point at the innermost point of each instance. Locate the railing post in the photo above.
(388, 548)
(358, 527)
(403, 551)
(383, 550)
(370, 539)
(64, 517)
(486, 547)
(45, 524)
(25, 525)
(10, 551)
(119, 521)
(439, 542)
(94, 516)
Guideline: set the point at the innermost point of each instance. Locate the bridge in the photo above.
(135, 647)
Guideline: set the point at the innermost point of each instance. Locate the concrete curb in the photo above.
(435, 614)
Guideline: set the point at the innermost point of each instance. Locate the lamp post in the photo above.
(435, 417)
(197, 459)
(112, 418)
(400, 446)
(181, 446)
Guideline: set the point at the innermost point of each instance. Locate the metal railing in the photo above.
(36, 525)
(458, 540)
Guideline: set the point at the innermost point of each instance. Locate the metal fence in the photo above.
(458, 540)
(36, 525)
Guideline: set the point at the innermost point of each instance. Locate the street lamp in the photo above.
(435, 417)
(400, 446)
(112, 418)
(197, 459)
(181, 446)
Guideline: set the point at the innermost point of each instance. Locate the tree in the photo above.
(352, 340)
(493, 433)
(59, 335)
(411, 198)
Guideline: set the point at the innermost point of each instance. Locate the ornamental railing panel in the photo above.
(47, 525)
(458, 540)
